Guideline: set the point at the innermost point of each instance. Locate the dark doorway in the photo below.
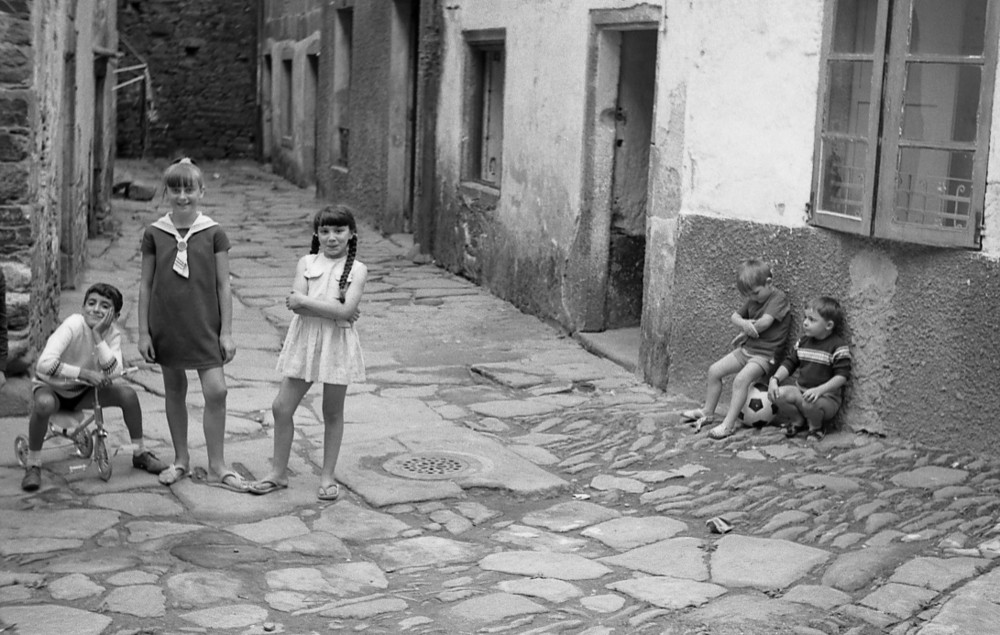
(402, 101)
(633, 131)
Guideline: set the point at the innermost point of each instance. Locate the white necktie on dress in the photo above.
(166, 224)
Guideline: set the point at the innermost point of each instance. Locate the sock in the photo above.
(34, 458)
(137, 448)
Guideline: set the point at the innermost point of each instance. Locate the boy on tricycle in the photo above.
(80, 360)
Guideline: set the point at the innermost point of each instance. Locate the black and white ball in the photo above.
(758, 410)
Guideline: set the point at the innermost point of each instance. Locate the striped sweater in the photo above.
(71, 349)
(818, 361)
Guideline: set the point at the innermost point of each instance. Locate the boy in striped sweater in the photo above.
(82, 356)
(823, 361)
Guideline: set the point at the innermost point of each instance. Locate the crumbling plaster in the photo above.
(536, 220)
(730, 178)
(924, 342)
(293, 155)
(730, 175)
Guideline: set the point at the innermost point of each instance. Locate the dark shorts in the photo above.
(71, 404)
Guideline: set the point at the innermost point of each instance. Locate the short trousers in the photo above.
(834, 398)
(745, 357)
(70, 404)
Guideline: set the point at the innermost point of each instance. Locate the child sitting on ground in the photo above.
(823, 361)
(763, 321)
(83, 356)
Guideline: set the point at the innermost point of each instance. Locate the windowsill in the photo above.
(485, 192)
(342, 169)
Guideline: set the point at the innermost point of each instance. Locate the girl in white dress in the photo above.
(322, 344)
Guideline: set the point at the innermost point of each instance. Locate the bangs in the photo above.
(183, 175)
(334, 217)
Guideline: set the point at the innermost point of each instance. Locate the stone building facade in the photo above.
(56, 152)
(289, 79)
(606, 164)
(200, 58)
(852, 145)
(347, 93)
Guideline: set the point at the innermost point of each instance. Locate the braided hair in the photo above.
(338, 215)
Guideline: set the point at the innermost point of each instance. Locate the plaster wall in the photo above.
(730, 177)
(371, 84)
(293, 155)
(751, 73)
(291, 31)
(737, 90)
(79, 192)
(385, 66)
(516, 240)
(926, 352)
(731, 170)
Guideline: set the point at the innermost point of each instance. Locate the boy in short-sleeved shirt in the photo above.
(764, 321)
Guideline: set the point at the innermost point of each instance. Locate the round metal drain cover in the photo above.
(431, 466)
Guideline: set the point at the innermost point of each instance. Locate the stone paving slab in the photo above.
(524, 459)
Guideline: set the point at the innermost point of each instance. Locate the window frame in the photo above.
(343, 60)
(888, 90)
(287, 101)
(478, 106)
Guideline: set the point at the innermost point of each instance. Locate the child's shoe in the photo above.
(722, 431)
(815, 436)
(693, 415)
(701, 422)
(32, 478)
(792, 428)
(146, 460)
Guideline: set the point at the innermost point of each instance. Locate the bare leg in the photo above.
(213, 386)
(333, 418)
(741, 386)
(718, 371)
(175, 389)
(819, 411)
(289, 397)
(789, 403)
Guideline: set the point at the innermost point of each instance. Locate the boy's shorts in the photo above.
(69, 404)
(765, 362)
(834, 398)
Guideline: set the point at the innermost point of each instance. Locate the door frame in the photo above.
(587, 263)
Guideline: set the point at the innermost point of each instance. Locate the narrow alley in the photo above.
(497, 478)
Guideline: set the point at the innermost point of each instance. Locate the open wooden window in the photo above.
(903, 123)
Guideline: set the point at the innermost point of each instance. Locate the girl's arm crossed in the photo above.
(333, 309)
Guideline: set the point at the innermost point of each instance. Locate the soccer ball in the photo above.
(758, 410)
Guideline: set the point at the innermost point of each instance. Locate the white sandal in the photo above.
(693, 415)
(721, 431)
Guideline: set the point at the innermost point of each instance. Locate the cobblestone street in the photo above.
(497, 478)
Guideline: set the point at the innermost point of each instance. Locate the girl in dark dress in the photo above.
(186, 316)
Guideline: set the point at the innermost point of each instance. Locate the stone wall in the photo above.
(17, 111)
(55, 109)
(51, 21)
(201, 59)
